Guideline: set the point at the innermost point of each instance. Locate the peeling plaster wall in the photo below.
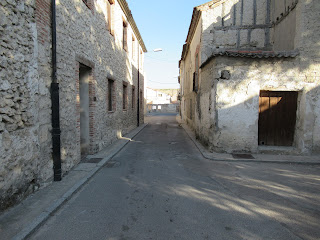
(235, 118)
(230, 108)
(234, 121)
(284, 19)
(236, 24)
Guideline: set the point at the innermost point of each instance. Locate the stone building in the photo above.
(99, 76)
(250, 75)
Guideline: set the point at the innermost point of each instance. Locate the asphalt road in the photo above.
(160, 187)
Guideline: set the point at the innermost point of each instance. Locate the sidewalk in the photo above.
(259, 158)
(20, 221)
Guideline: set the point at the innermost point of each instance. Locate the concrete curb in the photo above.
(38, 221)
(224, 157)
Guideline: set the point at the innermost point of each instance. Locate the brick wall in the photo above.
(43, 19)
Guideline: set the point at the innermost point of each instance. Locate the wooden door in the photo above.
(277, 117)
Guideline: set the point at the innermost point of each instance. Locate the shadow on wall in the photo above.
(77, 35)
(117, 65)
(238, 30)
(238, 97)
(283, 122)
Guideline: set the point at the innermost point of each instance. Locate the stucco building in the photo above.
(161, 101)
(83, 77)
(250, 75)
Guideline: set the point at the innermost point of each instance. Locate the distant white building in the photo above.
(157, 101)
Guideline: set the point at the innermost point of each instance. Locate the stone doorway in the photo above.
(84, 79)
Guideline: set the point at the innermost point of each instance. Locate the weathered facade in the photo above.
(250, 75)
(100, 73)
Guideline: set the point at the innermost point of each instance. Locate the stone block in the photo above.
(257, 38)
(11, 126)
(8, 102)
(7, 111)
(261, 11)
(5, 85)
(248, 12)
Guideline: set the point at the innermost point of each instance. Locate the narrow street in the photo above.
(160, 187)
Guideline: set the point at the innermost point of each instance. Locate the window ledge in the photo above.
(88, 5)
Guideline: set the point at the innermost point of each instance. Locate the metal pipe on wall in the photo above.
(138, 92)
(55, 105)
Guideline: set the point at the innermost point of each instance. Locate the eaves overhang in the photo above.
(127, 12)
(252, 54)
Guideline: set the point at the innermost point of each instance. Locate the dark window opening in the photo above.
(125, 37)
(196, 74)
(88, 3)
(141, 100)
(133, 97)
(133, 48)
(110, 10)
(111, 96)
(195, 82)
(125, 97)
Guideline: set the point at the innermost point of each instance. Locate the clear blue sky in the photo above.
(163, 24)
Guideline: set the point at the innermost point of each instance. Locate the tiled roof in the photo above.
(252, 54)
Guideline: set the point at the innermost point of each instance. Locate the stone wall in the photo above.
(83, 37)
(22, 167)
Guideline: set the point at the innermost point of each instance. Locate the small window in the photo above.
(141, 99)
(133, 99)
(141, 62)
(111, 96)
(133, 48)
(125, 97)
(196, 74)
(88, 3)
(125, 36)
(110, 10)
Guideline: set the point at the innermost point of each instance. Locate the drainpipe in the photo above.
(138, 107)
(55, 118)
